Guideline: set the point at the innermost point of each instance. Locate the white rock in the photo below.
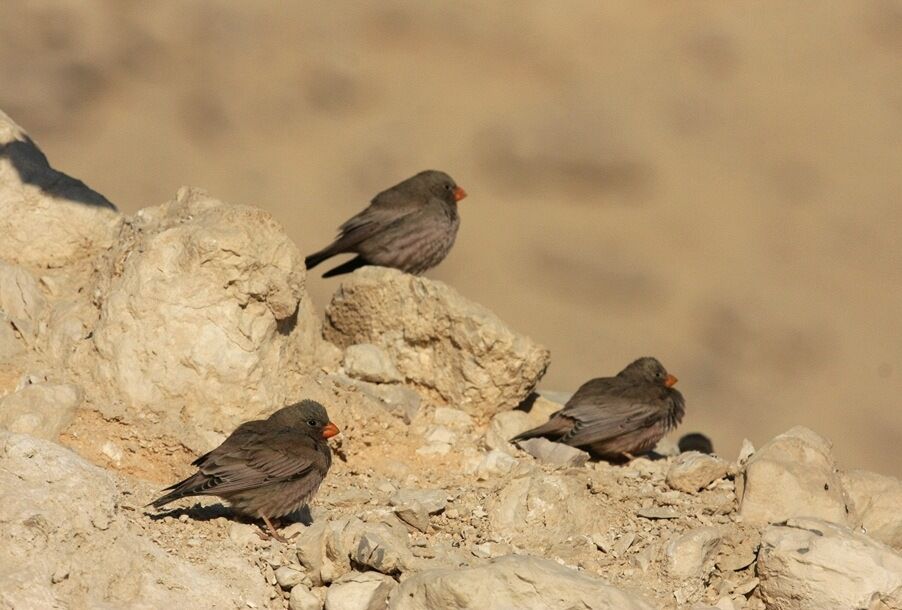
(244, 534)
(693, 471)
(745, 452)
(399, 400)
(42, 410)
(878, 503)
(454, 418)
(439, 441)
(431, 500)
(288, 577)
(327, 548)
(811, 564)
(503, 427)
(443, 344)
(495, 463)
(112, 451)
(10, 345)
(47, 219)
(302, 599)
(360, 591)
(207, 308)
(542, 508)
(692, 554)
(22, 302)
(62, 521)
(370, 362)
(440, 434)
(794, 475)
(413, 506)
(511, 582)
(550, 452)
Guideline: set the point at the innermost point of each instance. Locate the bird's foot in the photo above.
(271, 533)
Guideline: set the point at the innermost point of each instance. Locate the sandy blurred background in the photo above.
(717, 184)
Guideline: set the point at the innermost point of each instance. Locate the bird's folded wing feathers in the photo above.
(606, 418)
(283, 457)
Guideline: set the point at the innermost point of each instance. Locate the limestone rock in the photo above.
(453, 418)
(397, 399)
(360, 591)
(811, 564)
(794, 475)
(22, 302)
(495, 463)
(369, 362)
(522, 582)
(41, 410)
(456, 350)
(413, 506)
(288, 577)
(503, 427)
(550, 452)
(205, 307)
(693, 471)
(692, 553)
(47, 219)
(431, 500)
(877, 501)
(326, 549)
(383, 551)
(65, 543)
(302, 599)
(543, 508)
(10, 346)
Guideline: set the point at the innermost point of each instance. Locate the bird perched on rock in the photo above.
(410, 227)
(616, 417)
(267, 468)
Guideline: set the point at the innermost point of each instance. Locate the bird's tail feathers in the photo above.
(552, 429)
(346, 267)
(194, 485)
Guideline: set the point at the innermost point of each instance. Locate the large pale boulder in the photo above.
(878, 503)
(42, 410)
(811, 564)
(47, 219)
(521, 582)
(794, 475)
(66, 543)
(446, 346)
(205, 306)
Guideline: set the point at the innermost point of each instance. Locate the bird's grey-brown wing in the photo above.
(262, 459)
(357, 230)
(600, 417)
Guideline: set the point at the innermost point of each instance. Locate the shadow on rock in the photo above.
(33, 168)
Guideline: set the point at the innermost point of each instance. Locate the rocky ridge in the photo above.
(130, 344)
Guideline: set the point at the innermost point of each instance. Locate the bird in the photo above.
(266, 468)
(617, 417)
(695, 441)
(410, 226)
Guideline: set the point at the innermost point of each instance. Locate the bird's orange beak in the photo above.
(670, 381)
(330, 430)
(459, 193)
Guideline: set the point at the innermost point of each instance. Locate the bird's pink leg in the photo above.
(272, 531)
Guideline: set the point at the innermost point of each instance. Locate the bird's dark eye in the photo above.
(447, 187)
(311, 423)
